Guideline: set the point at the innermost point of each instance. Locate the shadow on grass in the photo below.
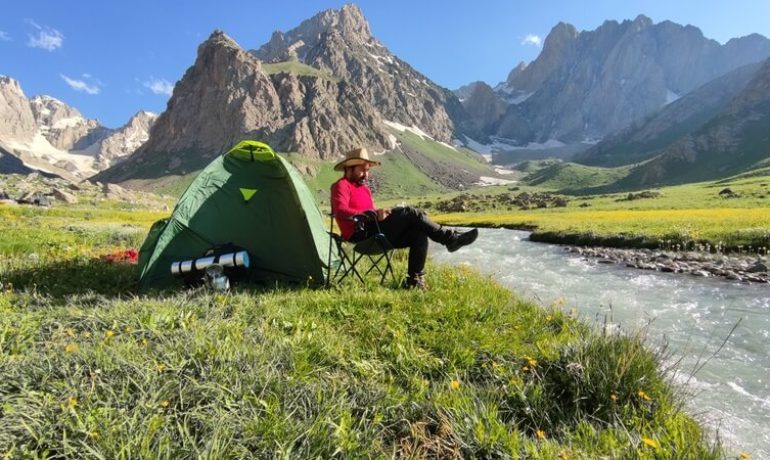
(76, 276)
(64, 279)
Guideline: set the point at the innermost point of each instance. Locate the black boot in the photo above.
(416, 281)
(459, 240)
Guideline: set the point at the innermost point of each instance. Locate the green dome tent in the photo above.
(249, 198)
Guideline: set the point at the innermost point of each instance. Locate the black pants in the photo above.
(408, 227)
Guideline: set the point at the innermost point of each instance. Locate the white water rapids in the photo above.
(730, 390)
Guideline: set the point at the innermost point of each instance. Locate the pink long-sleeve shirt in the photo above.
(349, 199)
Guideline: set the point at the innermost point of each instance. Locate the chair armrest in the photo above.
(364, 216)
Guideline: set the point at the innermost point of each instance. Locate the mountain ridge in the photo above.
(46, 134)
(588, 84)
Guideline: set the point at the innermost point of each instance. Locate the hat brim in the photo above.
(348, 162)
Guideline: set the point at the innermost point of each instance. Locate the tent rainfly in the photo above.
(249, 198)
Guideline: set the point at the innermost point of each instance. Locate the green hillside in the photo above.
(573, 177)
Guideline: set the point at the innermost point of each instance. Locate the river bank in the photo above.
(732, 267)
(717, 331)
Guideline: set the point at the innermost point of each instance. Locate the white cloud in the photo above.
(47, 38)
(80, 85)
(533, 40)
(159, 86)
(4, 36)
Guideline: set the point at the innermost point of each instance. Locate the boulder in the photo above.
(66, 197)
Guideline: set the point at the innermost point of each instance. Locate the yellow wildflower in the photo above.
(72, 402)
(164, 403)
(93, 434)
(540, 434)
(613, 397)
(644, 395)
(531, 361)
(525, 369)
(70, 332)
(548, 317)
(650, 442)
(109, 333)
(744, 456)
(72, 348)
(563, 455)
(454, 385)
(160, 367)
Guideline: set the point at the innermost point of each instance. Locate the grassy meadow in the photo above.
(688, 216)
(466, 370)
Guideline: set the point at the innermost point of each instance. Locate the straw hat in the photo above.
(355, 157)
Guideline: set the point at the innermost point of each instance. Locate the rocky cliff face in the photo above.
(340, 42)
(227, 96)
(63, 126)
(319, 89)
(589, 84)
(125, 140)
(16, 118)
(46, 134)
(645, 138)
(483, 108)
(734, 141)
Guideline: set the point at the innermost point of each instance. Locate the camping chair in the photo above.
(376, 249)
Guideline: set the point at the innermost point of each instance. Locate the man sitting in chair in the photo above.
(402, 226)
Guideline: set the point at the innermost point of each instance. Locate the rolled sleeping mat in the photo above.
(231, 259)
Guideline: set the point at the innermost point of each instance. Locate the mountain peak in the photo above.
(348, 22)
(218, 39)
(642, 21)
(6, 81)
(45, 100)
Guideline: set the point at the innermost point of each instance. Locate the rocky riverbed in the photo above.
(733, 267)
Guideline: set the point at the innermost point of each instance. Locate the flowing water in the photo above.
(730, 392)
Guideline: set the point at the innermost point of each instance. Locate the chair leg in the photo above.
(380, 261)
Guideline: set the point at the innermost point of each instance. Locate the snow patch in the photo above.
(448, 146)
(70, 122)
(671, 96)
(549, 144)
(40, 148)
(503, 171)
(486, 181)
(518, 98)
(392, 141)
(413, 129)
(511, 95)
(485, 150)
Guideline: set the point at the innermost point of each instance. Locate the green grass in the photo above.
(60, 230)
(438, 152)
(691, 215)
(465, 370)
(572, 177)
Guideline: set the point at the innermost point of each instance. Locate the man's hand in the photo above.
(382, 214)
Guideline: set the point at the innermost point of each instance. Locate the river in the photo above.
(730, 392)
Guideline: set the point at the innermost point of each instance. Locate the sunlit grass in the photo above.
(465, 370)
(690, 214)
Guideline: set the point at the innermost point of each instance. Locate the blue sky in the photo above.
(110, 59)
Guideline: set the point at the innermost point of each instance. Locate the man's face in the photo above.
(359, 173)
